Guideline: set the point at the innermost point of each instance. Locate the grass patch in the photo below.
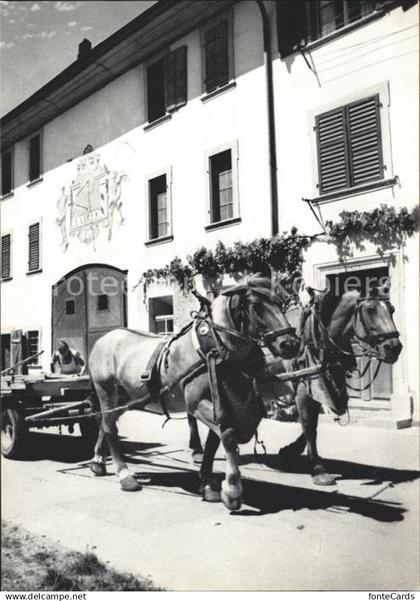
(35, 563)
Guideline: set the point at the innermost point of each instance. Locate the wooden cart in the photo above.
(41, 401)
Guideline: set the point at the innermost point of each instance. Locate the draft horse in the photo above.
(209, 366)
(332, 337)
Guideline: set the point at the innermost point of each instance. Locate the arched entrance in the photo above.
(87, 303)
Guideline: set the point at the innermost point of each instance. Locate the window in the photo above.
(302, 21)
(327, 16)
(217, 42)
(167, 84)
(349, 145)
(32, 337)
(70, 307)
(102, 302)
(33, 248)
(6, 271)
(159, 208)
(6, 172)
(161, 318)
(35, 168)
(222, 202)
(5, 351)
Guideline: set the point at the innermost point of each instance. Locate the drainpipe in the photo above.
(268, 60)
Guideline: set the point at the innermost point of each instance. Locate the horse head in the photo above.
(255, 308)
(368, 322)
(374, 327)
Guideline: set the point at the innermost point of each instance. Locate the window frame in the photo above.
(160, 57)
(10, 150)
(234, 150)
(389, 178)
(10, 276)
(36, 362)
(167, 172)
(314, 35)
(224, 16)
(161, 316)
(41, 157)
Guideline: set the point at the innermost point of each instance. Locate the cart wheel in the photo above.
(89, 430)
(13, 433)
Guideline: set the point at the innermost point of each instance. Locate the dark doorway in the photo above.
(86, 304)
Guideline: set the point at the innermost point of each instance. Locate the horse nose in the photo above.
(393, 347)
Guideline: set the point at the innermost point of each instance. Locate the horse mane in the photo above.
(261, 285)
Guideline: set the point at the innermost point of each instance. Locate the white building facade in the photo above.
(160, 140)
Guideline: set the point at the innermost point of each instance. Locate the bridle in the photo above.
(371, 340)
(240, 321)
(263, 337)
(367, 341)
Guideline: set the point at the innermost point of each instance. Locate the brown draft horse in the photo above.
(209, 368)
(333, 337)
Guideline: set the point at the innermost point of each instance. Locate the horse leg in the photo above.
(308, 412)
(209, 486)
(294, 449)
(98, 463)
(109, 400)
(232, 489)
(195, 442)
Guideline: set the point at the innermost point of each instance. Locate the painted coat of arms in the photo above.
(91, 202)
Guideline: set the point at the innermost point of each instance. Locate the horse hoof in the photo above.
(129, 484)
(324, 479)
(98, 469)
(197, 457)
(210, 495)
(229, 502)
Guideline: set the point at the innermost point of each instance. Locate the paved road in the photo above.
(359, 534)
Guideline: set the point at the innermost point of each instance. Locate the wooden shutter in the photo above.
(5, 256)
(35, 157)
(364, 135)
(349, 145)
(176, 78)
(6, 172)
(33, 259)
(216, 56)
(332, 151)
(291, 24)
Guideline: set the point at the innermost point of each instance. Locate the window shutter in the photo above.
(217, 56)
(176, 78)
(332, 151)
(5, 256)
(34, 157)
(291, 25)
(364, 133)
(6, 172)
(33, 259)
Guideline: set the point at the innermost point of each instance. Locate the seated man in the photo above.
(66, 360)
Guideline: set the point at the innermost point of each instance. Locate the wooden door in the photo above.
(86, 304)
